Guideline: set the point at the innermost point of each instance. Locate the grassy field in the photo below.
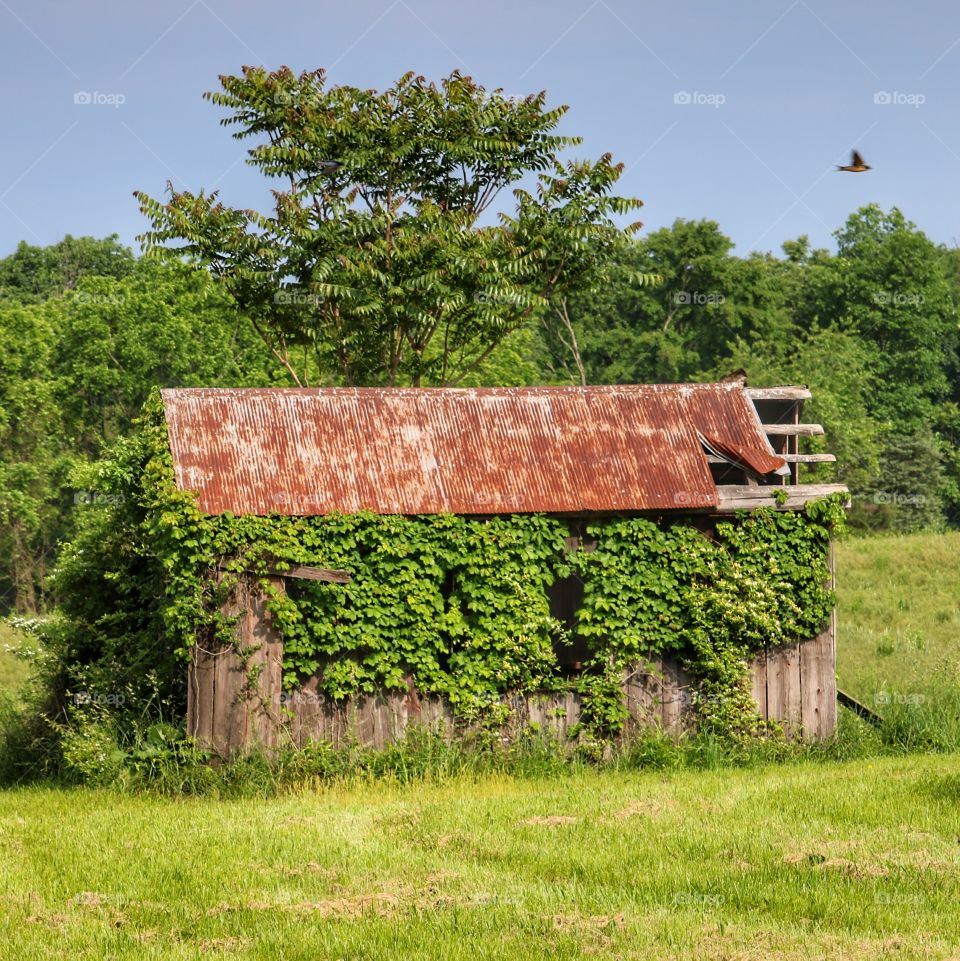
(852, 860)
(13, 669)
(899, 612)
(803, 861)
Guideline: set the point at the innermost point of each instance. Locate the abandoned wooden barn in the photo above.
(697, 451)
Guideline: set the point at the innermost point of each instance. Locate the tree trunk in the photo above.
(25, 598)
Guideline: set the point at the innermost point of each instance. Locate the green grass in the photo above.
(13, 669)
(898, 613)
(815, 858)
(803, 861)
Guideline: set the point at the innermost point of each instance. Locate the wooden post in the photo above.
(643, 689)
(818, 676)
(677, 690)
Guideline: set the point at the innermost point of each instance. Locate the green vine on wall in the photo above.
(459, 606)
(713, 602)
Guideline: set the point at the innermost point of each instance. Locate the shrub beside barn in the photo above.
(345, 563)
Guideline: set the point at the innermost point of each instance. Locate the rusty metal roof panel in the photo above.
(759, 461)
(464, 451)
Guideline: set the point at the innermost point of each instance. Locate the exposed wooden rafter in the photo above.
(789, 458)
(809, 458)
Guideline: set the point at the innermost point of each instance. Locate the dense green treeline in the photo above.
(89, 329)
(872, 329)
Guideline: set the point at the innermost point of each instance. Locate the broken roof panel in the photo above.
(757, 461)
(561, 450)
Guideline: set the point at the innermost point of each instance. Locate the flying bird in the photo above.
(856, 165)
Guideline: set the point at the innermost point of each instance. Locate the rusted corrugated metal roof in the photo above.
(462, 451)
(759, 461)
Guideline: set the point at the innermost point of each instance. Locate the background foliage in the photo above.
(89, 330)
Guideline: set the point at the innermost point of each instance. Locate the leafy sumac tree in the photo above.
(391, 256)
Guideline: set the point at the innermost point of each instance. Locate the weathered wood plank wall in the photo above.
(234, 690)
(236, 701)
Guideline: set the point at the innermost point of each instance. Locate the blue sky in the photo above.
(732, 111)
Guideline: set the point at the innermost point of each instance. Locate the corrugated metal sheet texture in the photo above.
(759, 461)
(463, 451)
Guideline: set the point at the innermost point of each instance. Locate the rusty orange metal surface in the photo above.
(759, 461)
(557, 450)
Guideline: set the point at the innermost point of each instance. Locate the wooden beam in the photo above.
(809, 458)
(778, 393)
(789, 458)
(316, 574)
(792, 430)
(302, 573)
(739, 497)
(851, 702)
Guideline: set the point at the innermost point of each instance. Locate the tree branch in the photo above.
(564, 314)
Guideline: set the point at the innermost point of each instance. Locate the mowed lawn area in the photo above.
(855, 860)
(851, 860)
